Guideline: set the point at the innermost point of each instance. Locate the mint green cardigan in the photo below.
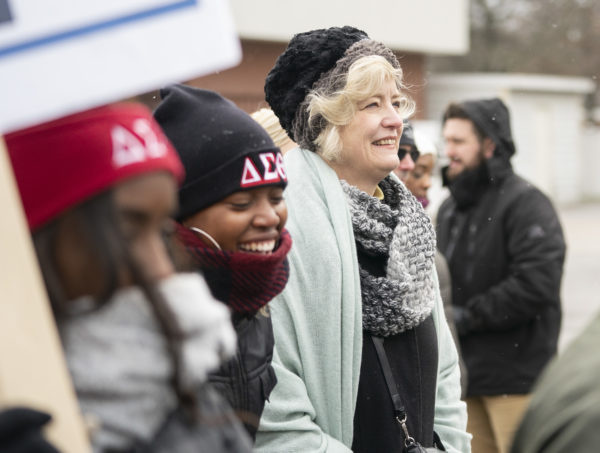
(317, 321)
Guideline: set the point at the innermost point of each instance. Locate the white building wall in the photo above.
(547, 120)
(428, 26)
(549, 133)
(590, 177)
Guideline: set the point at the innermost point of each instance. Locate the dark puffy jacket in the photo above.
(246, 380)
(505, 251)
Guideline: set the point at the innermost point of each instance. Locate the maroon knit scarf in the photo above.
(244, 281)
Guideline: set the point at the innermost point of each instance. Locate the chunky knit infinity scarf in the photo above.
(244, 281)
(398, 228)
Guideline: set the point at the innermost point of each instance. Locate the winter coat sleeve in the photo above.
(291, 421)
(317, 320)
(288, 422)
(450, 421)
(564, 412)
(536, 251)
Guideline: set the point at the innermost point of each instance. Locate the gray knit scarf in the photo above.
(398, 228)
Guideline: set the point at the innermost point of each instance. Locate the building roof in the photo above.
(424, 26)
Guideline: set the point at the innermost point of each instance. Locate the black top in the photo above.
(413, 358)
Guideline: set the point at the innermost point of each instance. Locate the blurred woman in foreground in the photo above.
(98, 189)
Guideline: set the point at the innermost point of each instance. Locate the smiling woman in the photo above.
(370, 140)
(362, 270)
(249, 221)
(231, 221)
(372, 83)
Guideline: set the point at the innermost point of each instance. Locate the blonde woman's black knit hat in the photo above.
(315, 60)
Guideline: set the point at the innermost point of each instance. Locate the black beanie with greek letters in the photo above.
(223, 150)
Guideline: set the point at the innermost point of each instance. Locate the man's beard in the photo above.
(452, 173)
(468, 186)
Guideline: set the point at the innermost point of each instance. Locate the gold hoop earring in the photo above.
(206, 235)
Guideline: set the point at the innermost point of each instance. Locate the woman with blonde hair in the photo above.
(363, 355)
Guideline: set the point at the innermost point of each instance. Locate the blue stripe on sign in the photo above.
(93, 28)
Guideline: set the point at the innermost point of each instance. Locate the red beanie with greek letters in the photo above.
(64, 162)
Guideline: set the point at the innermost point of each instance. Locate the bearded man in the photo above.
(505, 249)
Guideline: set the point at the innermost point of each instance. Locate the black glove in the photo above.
(21, 431)
(462, 320)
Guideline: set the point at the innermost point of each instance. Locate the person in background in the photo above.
(408, 153)
(505, 249)
(564, 411)
(362, 295)
(267, 119)
(231, 221)
(418, 181)
(98, 189)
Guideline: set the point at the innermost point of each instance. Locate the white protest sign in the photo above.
(61, 56)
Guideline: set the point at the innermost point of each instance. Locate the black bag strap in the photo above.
(399, 410)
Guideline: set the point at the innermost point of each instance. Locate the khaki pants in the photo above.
(493, 421)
